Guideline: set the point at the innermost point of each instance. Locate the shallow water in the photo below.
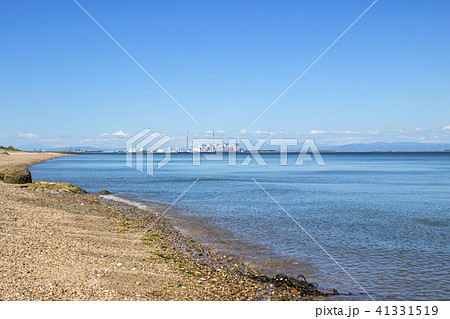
(384, 217)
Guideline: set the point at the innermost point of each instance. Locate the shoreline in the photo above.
(219, 239)
(21, 158)
(85, 247)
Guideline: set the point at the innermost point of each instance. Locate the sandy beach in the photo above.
(15, 158)
(85, 247)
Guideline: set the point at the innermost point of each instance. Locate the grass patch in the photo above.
(163, 256)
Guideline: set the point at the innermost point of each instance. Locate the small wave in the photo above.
(126, 201)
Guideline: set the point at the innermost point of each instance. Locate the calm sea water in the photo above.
(384, 217)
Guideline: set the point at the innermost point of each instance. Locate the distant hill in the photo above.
(39, 147)
(385, 147)
(32, 147)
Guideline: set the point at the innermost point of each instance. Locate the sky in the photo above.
(65, 82)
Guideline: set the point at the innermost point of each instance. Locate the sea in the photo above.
(364, 223)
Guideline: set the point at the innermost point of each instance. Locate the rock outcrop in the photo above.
(54, 188)
(16, 175)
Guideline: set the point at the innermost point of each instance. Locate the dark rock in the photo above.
(16, 175)
(4, 152)
(104, 192)
(55, 187)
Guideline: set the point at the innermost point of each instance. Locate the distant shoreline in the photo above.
(17, 158)
(248, 152)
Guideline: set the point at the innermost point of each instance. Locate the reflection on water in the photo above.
(383, 216)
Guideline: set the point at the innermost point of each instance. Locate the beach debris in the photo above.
(2, 152)
(300, 284)
(16, 175)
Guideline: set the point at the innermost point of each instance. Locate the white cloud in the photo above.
(215, 131)
(355, 132)
(244, 131)
(120, 133)
(28, 135)
(317, 132)
(447, 128)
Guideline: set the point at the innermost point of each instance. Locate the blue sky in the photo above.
(65, 82)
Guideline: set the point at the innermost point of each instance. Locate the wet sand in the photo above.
(85, 247)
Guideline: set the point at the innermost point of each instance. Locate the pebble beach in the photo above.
(70, 246)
